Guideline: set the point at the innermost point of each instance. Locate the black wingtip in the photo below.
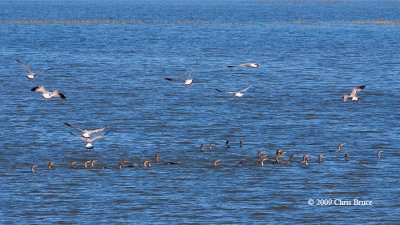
(231, 66)
(34, 89)
(362, 87)
(218, 90)
(168, 78)
(62, 96)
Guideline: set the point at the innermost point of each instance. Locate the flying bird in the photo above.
(237, 93)
(31, 74)
(89, 140)
(253, 65)
(48, 94)
(188, 80)
(87, 133)
(353, 94)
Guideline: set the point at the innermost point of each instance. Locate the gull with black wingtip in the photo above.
(48, 94)
(236, 93)
(353, 94)
(188, 80)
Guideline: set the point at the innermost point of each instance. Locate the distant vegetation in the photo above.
(361, 22)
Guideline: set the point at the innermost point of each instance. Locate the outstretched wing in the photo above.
(356, 90)
(57, 94)
(39, 89)
(98, 137)
(97, 130)
(86, 139)
(73, 127)
(244, 64)
(246, 88)
(172, 79)
(26, 67)
(43, 71)
(231, 92)
(197, 61)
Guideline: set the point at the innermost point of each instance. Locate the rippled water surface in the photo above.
(110, 60)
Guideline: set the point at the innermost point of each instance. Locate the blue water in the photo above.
(113, 73)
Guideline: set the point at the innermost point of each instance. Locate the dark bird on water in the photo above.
(338, 149)
(379, 154)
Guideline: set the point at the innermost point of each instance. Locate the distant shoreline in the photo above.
(340, 22)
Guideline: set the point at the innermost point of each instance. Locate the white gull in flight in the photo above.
(188, 81)
(87, 133)
(353, 94)
(48, 94)
(253, 65)
(237, 93)
(31, 74)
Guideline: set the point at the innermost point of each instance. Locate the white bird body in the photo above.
(253, 65)
(48, 94)
(89, 145)
(238, 94)
(188, 81)
(304, 162)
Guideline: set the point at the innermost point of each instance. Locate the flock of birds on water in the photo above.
(87, 135)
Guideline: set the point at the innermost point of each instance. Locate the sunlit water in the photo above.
(113, 74)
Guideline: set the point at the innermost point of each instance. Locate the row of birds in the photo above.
(86, 134)
(279, 153)
(262, 158)
(187, 81)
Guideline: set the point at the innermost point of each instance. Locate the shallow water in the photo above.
(112, 73)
